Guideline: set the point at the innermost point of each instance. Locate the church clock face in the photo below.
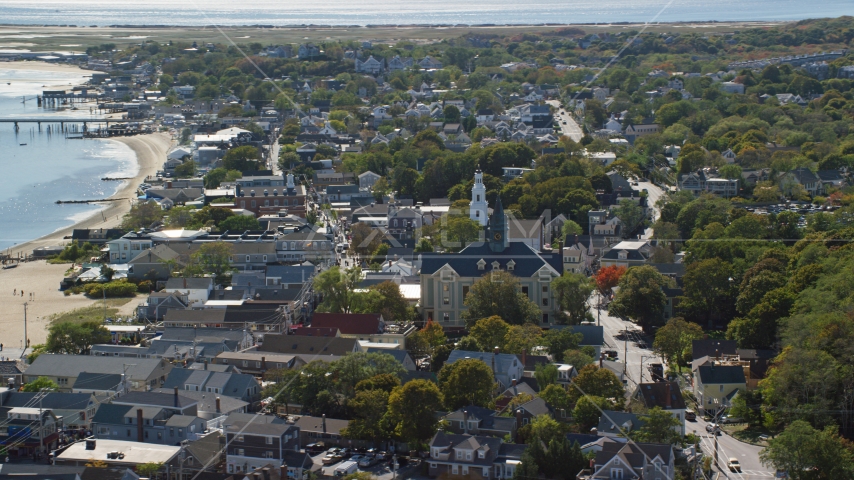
(497, 236)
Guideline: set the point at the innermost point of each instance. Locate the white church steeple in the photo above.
(478, 207)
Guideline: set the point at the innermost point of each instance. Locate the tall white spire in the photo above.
(478, 207)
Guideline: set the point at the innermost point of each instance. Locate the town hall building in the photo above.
(447, 277)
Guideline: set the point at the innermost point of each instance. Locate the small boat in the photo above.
(11, 265)
(23, 144)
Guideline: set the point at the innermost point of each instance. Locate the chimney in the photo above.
(176, 397)
(496, 350)
(524, 357)
(323, 422)
(217, 405)
(668, 404)
(266, 473)
(185, 282)
(206, 364)
(514, 382)
(283, 471)
(139, 435)
(518, 419)
(466, 421)
(601, 359)
(263, 364)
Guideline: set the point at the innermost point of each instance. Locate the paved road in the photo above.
(567, 124)
(626, 338)
(728, 447)
(654, 193)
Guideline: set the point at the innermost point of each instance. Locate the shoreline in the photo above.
(150, 152)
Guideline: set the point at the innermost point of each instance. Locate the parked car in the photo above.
(730, 419)
(733, 465)
(315, 448)
(346, 468)
(357, 458)
(713, 427)
(368, 460)
(346, 453)
(332, 456)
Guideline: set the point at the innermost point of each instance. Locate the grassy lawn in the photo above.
(747, 434)
(92, 313)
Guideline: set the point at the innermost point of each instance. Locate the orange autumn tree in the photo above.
(608, 277)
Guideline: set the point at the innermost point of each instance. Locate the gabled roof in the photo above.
(291, 273)
(618, 423)
(111, 413)
(804, 175)
(308, 423)
(157, 399)
(56, 365)
(98, 381)
(289, 344)
(593, 335)
(316, 332)
(349, 323)
(527, 261)
(655, 395)
(176, 283)
(710, 347)
(206, 402)
(536, 407)
(502, 361)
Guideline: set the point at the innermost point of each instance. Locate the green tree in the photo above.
(572, 290)
(522, 338)
(466, 382)
(244, 159)
(499, 293)
(577, 358)
(588, 409)
(546, 375)
(412, 410)
(747, 405)
(453, 232)
(490, 333)
(75, 338)
(527, 469)
(239, 223)
(807, 453)
(630, 215)
(39, 384)
(559, 340)
(336, 286)
(215, 258)
(599, 382)
(674, 340)
(368, 409)
(660, 426)
(150, 469)
(570, 228)
(641, 297)
(186, 169)
(142, 215)
(556, 396)
(709, 291)
(219, 175)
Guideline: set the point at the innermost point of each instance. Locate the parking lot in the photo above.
(381, 470)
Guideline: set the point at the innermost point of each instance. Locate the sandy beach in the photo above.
(43, 279)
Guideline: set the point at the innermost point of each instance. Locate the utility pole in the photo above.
(41, 424)
(25, 327)
(626, 352)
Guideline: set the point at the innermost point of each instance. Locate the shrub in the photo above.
(118, 288)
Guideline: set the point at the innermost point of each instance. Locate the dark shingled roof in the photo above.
(710, 347)
(655, 395)
(527, 261)
(721, 374)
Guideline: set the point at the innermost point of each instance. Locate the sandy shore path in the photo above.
(150, 153)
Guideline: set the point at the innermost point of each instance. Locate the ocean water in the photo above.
(49, 167)
(400, 12)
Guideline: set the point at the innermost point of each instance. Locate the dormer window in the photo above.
(496, 265)
(511, 265)
(481, 264)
